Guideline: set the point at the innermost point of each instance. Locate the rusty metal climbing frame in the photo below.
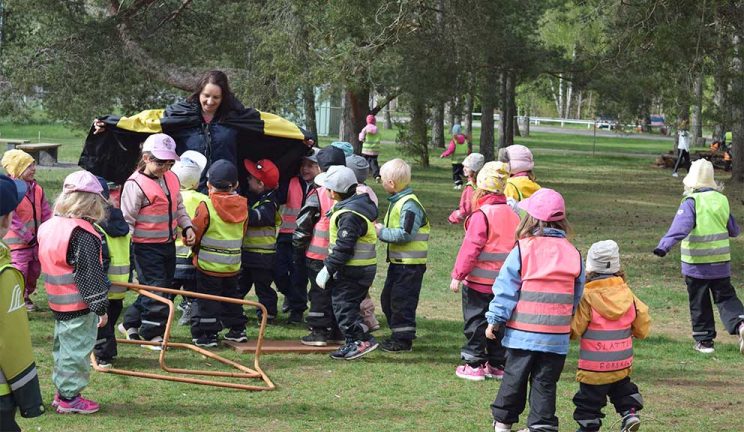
(246, 372)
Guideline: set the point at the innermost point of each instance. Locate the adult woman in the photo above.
(211, 121)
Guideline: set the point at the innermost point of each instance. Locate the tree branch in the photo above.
(383, 103)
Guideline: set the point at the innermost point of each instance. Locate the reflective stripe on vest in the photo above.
(119, 265)
(291, 208)
(191, 200)
(371, 143)
(708, 242)
(219, 248)
(30, 215)
(415, 251)
(261, 239)
(318, 249)
(607, 345)
(364, 249)
(54, 239)
(156, 222)
(502, 224)
(550, 266)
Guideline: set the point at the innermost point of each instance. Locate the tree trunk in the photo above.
(452, 114)
(353, 120)
(388, 121)
(514, 120)
(308, 95)
(489, 89)
(419, 129)
(469, 120)
(579, 100)
(526, 132)
(737, 117)
(437, 125)
(504, 111)
(696, 120)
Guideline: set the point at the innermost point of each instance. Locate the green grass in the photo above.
(616, 197)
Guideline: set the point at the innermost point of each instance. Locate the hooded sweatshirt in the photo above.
(350, 228)
(610, 296)
(230, 207)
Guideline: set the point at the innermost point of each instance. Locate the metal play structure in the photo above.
(245, 372)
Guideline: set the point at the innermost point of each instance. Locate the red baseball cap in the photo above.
(263, 170)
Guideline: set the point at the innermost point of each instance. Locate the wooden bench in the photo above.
(44, 153)
(11, 143)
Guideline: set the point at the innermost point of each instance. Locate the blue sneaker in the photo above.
(360, 348)
(340, 354)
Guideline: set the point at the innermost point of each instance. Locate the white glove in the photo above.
(322, 278)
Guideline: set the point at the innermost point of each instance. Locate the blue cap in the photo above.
(11, 194)
(346, 147)
(104, 186)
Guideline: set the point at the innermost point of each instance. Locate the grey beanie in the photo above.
(359, 165)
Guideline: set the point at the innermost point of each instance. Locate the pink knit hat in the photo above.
(545, 205)
(519, 158)
(371, 119)
(161, 146)
(82, 181)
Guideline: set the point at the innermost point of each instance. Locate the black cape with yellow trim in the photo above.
(114, 153)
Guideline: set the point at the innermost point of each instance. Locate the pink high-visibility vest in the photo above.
(156, 222)
(502, 224)
(30, 214)
(318, 249)
(550, 266)
(291, 208)
(54, 239)
(606, 345)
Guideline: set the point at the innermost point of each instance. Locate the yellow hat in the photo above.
(16, 161)
(492, 177)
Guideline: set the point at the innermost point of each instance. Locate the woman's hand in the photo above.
(455, 285)
(98, 127)
(102, 320)
(190, 237)
(491, 331)
(309, 142)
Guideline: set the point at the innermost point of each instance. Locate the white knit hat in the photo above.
(603, 257)
(474, 162)
(700, 175)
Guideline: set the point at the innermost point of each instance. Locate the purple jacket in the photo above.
(683, 223)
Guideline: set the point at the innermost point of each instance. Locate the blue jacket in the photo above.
(506, 294)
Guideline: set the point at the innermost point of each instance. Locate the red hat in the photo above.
(263, 170)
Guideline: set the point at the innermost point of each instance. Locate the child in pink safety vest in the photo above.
(153, 207)
(31, 212)
(535, 295)
(489, 237)
(471, 165)
(609, 316)
(76, 285)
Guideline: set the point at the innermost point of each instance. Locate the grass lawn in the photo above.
(617, 197)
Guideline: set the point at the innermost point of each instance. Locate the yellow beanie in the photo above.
(16, 161)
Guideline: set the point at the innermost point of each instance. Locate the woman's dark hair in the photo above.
(219, 79)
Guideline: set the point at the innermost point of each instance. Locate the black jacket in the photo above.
(350, 228)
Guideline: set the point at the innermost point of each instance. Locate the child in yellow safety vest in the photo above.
(350, 267)
(406, 230)
(115, 250)
(188, 170)
(19, 382)
(489, 237)
(32, 211)
(77, 286)
(220, 223)
(609, 316)
(259, 242)
(535, 295)
(522, 183)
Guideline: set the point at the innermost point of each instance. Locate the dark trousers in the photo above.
(321, 315)
(261, 278)
(155, 264)
(591, 398)
(374, 164)
(106, 340)
(457, 173)
(209, 317)
(399, 298)
(348, 288)
(477, 348)
(701, 310)
(290, 279)
(683, 160)
(8, 411)
(542, 371)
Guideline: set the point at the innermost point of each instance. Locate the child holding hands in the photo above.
(535, 295)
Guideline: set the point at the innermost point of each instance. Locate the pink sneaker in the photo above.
(470, 373)
(55, 401)
(79, 405)
(493, 372)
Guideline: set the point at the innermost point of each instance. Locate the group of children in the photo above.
(525, 289)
